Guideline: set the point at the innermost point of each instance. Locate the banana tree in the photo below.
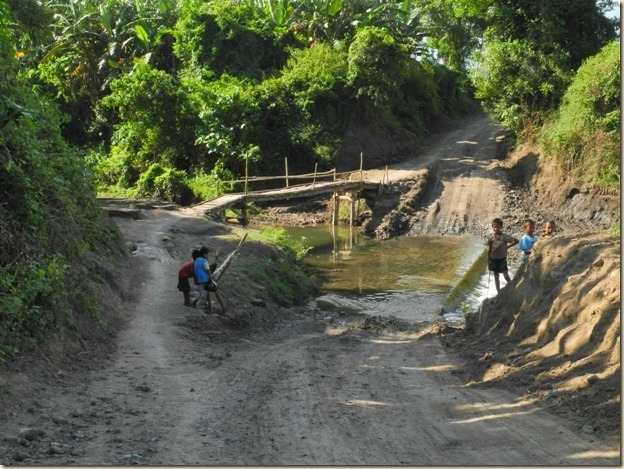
(336, 20)
(95, 42)
(279, 12)
(109, 34)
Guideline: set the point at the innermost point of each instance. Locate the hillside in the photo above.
(554, 332)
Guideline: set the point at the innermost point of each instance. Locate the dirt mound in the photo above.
(554, 331)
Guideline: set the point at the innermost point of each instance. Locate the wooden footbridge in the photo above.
(344, 186)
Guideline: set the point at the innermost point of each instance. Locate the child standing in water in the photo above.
(528, 239)
(498, 242)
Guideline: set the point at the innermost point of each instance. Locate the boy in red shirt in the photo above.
(184, 275)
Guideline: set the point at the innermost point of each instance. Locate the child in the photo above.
(498, 242)
(528, 239)
(549, 229)
(205, 283)
(185, 273)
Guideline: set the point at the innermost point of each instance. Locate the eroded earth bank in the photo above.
(532, 379)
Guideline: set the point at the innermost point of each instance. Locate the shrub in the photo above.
(165, 183)
(519, 84)
(293, 248)
(584, 134)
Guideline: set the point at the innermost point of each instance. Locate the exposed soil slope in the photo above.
(532, 380)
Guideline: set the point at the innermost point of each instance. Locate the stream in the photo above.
(411, 278)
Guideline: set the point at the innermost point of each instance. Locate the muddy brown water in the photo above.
(409, 278)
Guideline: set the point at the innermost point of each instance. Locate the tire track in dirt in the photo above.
(371, 399)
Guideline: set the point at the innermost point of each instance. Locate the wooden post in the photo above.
(387, 178)
(286, 164)
(352, 211)
(361, 171)
(336, 206)
(314, 180)
(351, 238)
(334, 239)
(246, 177)
(244, 211)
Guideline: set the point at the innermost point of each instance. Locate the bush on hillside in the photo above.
(584, 135)
(401, 90)
(519, 85)
(166, 184)
(153, 127)
(51, 226)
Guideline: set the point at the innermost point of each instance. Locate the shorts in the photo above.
(184, 284)
(498, 266)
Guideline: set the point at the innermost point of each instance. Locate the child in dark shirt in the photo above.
(498, 242)
(184, 275)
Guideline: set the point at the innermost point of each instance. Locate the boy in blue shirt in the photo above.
(205, 282)
(528, 239)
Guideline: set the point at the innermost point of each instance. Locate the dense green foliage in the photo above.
(208, 89)
(584, 136)
(519, 84)
(530, 52)
(51, 226)
(237, 84)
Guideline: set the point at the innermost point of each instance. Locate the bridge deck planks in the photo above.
(225, 201)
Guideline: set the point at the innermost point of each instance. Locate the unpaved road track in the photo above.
(463, 190)
(339, 398)
(294, 397)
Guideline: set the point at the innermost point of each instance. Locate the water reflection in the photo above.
(406, 277)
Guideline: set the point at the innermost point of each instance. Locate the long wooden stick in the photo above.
(224, 265)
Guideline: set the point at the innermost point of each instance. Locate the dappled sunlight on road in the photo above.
(485, 418)
(366, 403)
(393, 341)
(437, 368)
(489, 406)
(583, 456)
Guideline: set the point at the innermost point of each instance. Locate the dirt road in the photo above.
(185, 389)
(452, 188)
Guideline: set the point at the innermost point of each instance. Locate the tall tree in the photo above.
(576, 27)
(531, 50)
(95, 42)
(454, 29)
